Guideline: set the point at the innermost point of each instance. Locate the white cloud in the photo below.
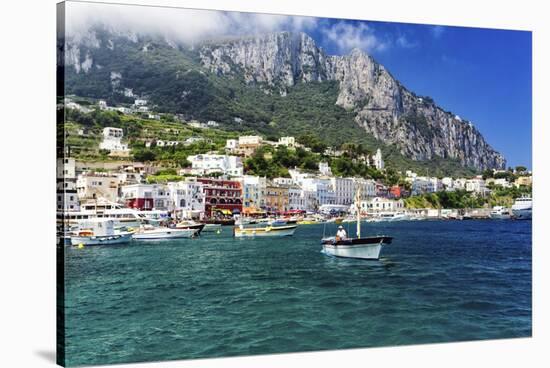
(403, 41)
(347, 36)
(183, 25)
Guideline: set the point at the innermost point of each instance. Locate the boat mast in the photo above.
(358, 210)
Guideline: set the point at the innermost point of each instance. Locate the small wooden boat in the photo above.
(243, 232)
(363, 248)
(359, 247)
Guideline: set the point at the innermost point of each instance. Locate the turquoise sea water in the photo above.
(440, 281)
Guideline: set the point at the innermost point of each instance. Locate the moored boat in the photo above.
(190, 224)
(393, 216)
(522, 208)
(148, 232)
(99, 232)
(267, 231)
(500, 213)
(359, 247)
(212, 228)
(363, 248)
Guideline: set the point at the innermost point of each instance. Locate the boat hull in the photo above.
(102, 240)
(523, 214)
(264, 232)
(165, 235)
(197, 227)
(363, 248)
(212, 228)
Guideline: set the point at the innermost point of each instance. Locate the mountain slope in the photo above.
(383, 107)
(257, 84)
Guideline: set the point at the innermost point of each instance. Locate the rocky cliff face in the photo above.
(383, 107)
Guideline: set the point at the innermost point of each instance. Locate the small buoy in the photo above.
(218, 232)
(80, 246)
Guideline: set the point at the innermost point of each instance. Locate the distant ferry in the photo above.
(522, 208)
(122, 216)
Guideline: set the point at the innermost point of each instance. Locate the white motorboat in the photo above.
(148, 232)
(362, 248)
(99, 232)
(522, 208)
(265, 231)
(190, 224)
(393, 216)
(500, 213)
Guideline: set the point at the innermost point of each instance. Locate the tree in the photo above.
(521, 169)
(143, 155)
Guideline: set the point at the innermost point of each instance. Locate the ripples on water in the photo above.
(220, 296)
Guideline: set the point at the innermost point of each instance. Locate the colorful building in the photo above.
(223, 195)
(276, 198)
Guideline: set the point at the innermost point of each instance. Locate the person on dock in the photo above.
(341, 234)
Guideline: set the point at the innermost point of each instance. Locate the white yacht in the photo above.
(149, 232)
(500, 213)
(122, 216)
(522, 208)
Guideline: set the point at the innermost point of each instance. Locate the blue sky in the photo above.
(483, 75)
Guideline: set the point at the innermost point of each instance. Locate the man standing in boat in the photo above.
(341, 234)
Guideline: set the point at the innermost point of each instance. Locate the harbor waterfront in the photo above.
(217, 295)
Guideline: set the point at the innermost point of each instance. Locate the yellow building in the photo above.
(276, 198)
(524, 180)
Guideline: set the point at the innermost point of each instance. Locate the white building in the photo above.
(475, 185)
(209, 163)
(377, 160)
(324, 169)
(187, 198)
(459, 183)
(140, 102)
(67, 198)
(379, 204)
(289, 142)
(102, 104)
(112, 141)
(296, 198)
(344, 190)
(367, 186)
(283, 181)
(192, 140)
(97, 185)
(212, 124)
(231, 144)
(161, 143)
(317, 192)
(423, 184)
(146, 196)
(499, 182)
(250, 140)
(447, 182)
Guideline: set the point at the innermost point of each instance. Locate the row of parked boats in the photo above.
(102, 231)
